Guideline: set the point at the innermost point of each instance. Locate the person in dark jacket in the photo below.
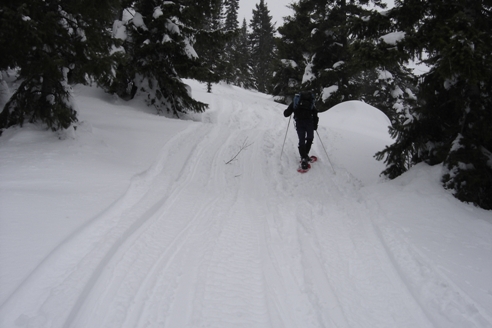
(306, 122)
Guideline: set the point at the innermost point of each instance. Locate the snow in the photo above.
(327, 92)
(172, 27)
(119, 30)
(308, 74)
(393, 38)
(289, 62)
(338, 64)
(352, 122)
(138, 21)
(384, 74)
(4, 92)
(448, 83)
(189, 50)
(81, 34)
(136, 220)
(157, 12)
(166, 39)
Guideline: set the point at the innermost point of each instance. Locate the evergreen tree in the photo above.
(231, 26)
(52, 42)
(262, 44)
(231, 20)
(159, 49)
(294, 51)
(377, 67)
(336, 69)
(243, 75)
(451, 122)
(337, 49)
(211, 41)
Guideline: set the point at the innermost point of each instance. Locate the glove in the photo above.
(288, 111)
(315, 123)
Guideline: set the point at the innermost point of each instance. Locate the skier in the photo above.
(306, 122)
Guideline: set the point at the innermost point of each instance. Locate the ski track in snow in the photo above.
(195, 242)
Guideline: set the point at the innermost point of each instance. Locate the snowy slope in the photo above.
(136, 220)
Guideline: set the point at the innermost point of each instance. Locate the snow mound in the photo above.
(357, 131)
(358, 117)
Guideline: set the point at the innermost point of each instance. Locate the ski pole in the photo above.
(325, 152)
(285, 136)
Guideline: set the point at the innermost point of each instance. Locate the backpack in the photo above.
(303, 105)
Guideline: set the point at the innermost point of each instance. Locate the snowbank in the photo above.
(357, 131)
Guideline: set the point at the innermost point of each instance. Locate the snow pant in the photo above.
(305, 132)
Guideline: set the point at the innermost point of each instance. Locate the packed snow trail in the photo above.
(196, 242)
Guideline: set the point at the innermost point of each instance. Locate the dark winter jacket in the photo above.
(314, 116)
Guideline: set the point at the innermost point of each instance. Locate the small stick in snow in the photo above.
(244, 146)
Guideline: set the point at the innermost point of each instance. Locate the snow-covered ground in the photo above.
(136, 220)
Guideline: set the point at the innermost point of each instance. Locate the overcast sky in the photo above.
(277, 8)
